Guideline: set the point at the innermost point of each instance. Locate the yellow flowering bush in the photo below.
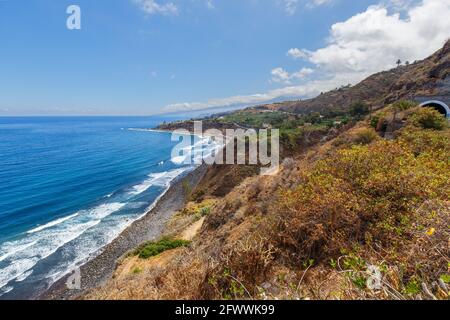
(363, 191)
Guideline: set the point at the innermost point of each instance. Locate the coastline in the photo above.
(101, 268)
(189, 133)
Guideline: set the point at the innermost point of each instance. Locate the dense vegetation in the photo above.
(297, 130)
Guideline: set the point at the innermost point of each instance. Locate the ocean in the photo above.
(69, 186)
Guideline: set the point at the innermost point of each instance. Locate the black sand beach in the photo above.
(96, 271)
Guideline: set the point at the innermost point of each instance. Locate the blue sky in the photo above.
(155, 56)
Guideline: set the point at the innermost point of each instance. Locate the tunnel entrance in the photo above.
(439, 106)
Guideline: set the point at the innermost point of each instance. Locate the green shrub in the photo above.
(359, 109)
(290, 138)
(412, 287)
(374, 121)
(340, 141)
(445, 278)
(420, 141)
(152, 249)
(205, 211)
(365, 136)
(186, 187)
(403, 105)
(202, 212)
(359, 281)
(137, 270)
(198, 195)
(428, 118)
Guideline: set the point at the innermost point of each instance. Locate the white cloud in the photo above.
(290, 6)
(310, 89)
(316, 3)
(153, 7)
(296, 53)
(280, 75)
(364, 44)
(373, 40)
(304, 72)
(399, 5)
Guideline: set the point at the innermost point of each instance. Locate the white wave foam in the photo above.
(24, 275)
(14, 249)
(52, 223)
(16, 269)
(102, 210)
(179, 160)
(88, 248)
(197, 152)
(82, 229)
(144, 130)
(5, 290)
(192, 152)
(48, 244)
(137, 189)
(156, 179)
(23, 254)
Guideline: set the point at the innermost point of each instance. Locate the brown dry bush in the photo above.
(313, 217)
(182, 279)
(253, 190)
(426, 253)
(361, 136)
(243, 265)
(365, 136)
(223, 212)
(357, 193)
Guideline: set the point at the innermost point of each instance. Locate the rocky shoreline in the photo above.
(97, 271)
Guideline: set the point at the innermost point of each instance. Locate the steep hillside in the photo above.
(355, 211)
(426, 77)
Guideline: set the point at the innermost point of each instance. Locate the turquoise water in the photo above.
(68, 186)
